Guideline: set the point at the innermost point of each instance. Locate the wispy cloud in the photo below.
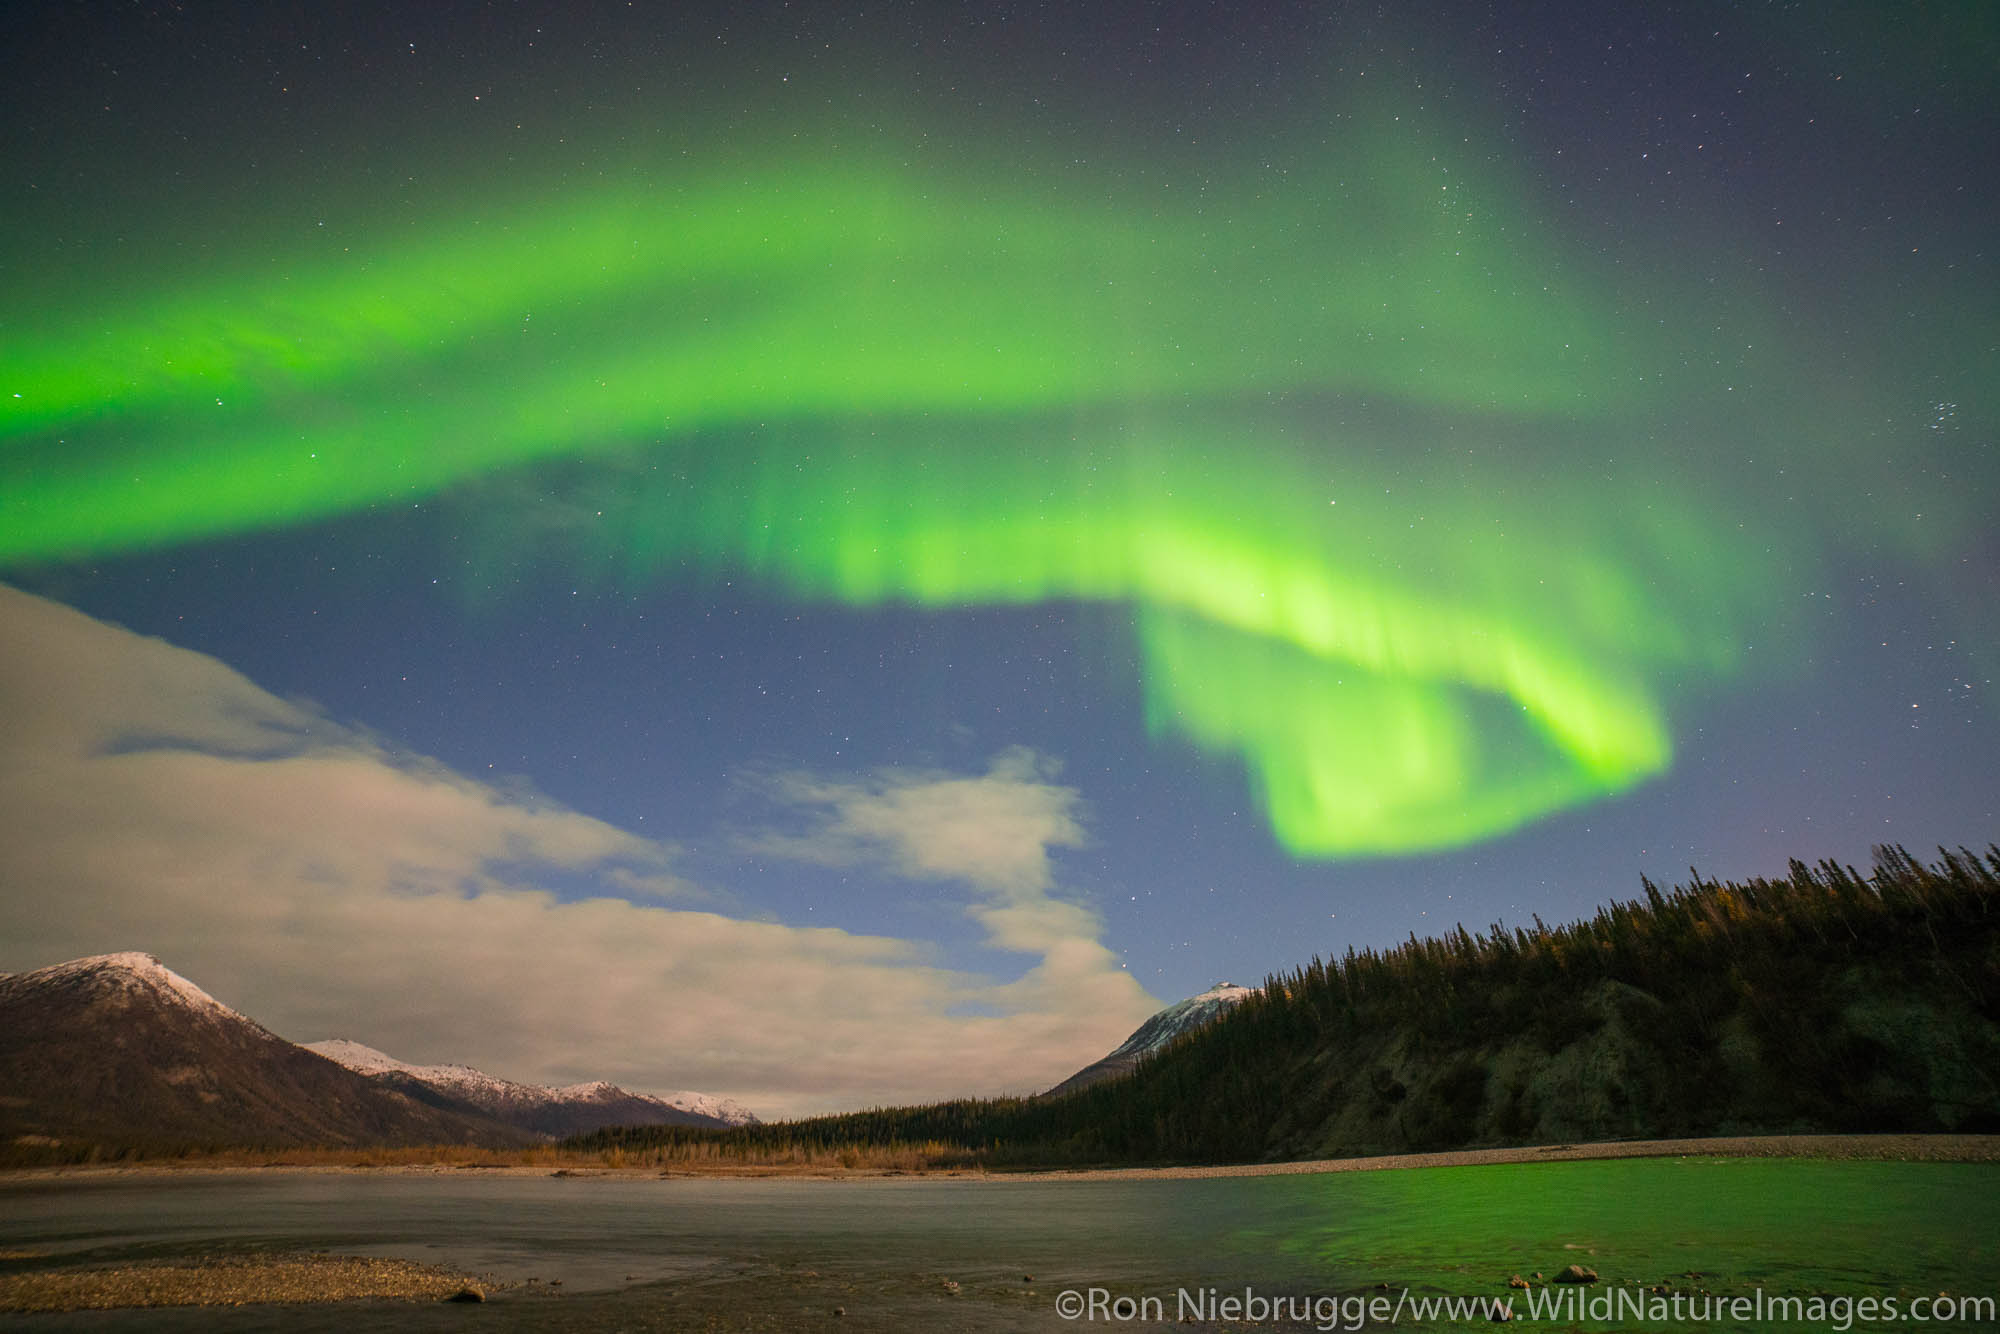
(153, 798)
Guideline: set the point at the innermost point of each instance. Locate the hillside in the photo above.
(1825, 1001)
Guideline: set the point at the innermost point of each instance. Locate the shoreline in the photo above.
(733, 1297)
(1884, 1148)
(1955, 1148)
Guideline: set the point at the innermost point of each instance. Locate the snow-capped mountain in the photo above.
(118, 981)
(571, 1110)
(1158, 1033)
(726, 1110)
(119, 1049)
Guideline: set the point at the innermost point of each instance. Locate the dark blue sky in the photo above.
(1784, 218)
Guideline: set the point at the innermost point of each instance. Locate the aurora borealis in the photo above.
(1414, 467)
(962, 332)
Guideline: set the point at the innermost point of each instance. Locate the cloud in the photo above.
(992, 832)
(152, 798)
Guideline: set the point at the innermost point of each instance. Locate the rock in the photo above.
(467, 1294)
(1577, 1274)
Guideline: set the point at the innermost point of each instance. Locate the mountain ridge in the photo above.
(570, 1109)
(118, 1052)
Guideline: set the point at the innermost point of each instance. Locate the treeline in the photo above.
(1827, 1000)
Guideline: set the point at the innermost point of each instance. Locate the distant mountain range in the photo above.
(571, 1110)
(120, 1051)
(1157, 1034)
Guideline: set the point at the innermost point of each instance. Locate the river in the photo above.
(638, 1253)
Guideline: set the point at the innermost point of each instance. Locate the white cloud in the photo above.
(152, 798)
(992, 832)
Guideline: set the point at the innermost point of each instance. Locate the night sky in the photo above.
(840, 555)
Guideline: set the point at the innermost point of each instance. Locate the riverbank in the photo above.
(447, 1161)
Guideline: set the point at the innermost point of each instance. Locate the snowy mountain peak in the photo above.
(118, 1049)
(146, 1055)
(727, 1110)
(1158, 1033)
(1169, 1024)
(123, 976)
(596, 1088)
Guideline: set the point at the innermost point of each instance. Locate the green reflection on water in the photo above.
(1790, 1227)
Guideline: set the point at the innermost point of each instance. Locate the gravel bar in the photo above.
(231, 1281)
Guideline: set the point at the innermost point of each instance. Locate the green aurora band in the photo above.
(1291, 434)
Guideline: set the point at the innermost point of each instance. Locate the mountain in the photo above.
(573, 1110)
(1157, 1034)
(120, 1051)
